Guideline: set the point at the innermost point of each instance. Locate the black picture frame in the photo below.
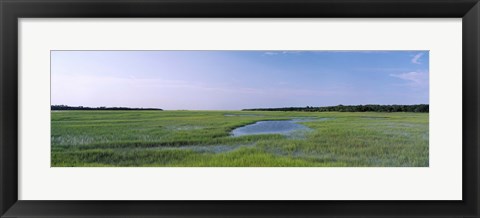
(12, 10)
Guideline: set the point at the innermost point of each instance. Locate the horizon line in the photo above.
(252, 108)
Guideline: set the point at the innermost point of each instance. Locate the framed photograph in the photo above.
(228, 108)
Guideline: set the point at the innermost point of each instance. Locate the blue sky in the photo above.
(233, 80)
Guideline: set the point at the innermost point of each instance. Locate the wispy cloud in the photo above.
(354, 51)
(282, 52)
(383, 69)
(414, 79)
(270, 53)
(274, 52)
(416, 58)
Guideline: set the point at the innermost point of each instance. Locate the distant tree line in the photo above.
(421, 108)
(66, 107)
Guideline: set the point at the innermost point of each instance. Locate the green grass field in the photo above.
(203, 139)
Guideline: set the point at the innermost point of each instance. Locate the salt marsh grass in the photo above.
(203, 139)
